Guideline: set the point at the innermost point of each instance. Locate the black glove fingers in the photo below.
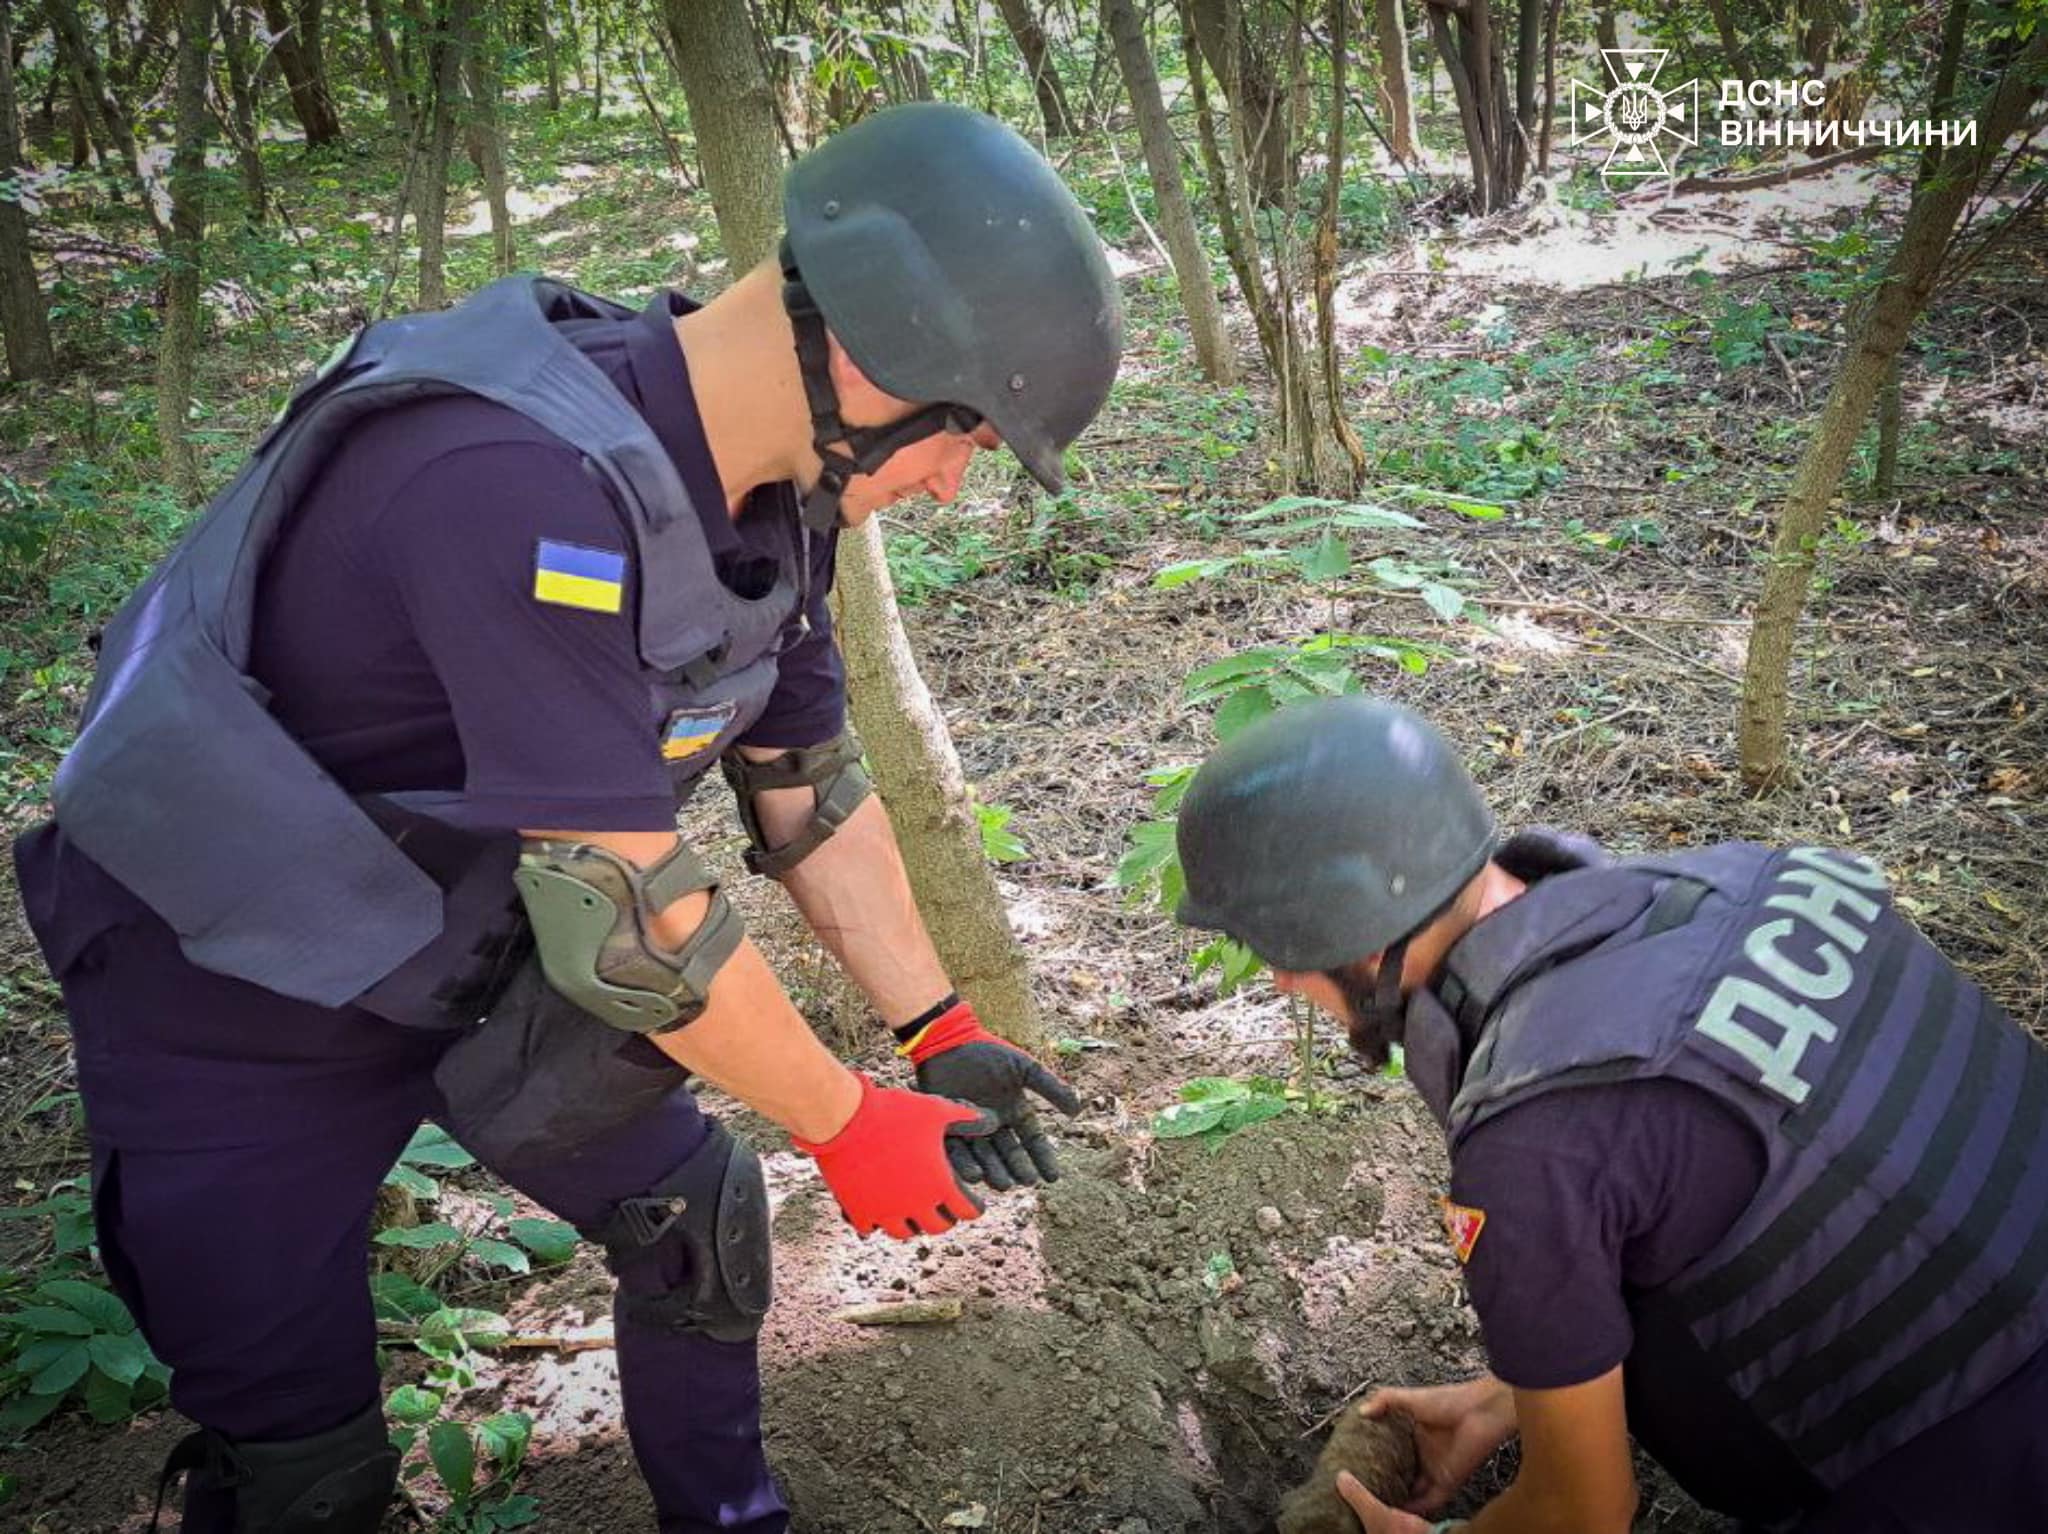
(1016, 1163)
(996, 1164)
(1038, 1146)
(1052, 1089)
(965, 1159)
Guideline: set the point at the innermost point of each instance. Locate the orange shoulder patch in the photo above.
(1462, 1225)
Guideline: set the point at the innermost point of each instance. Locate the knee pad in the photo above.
(336, 1482)
(713, 1210)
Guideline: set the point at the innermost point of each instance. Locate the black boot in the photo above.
(336, 1482)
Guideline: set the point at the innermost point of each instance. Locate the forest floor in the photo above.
(1148, 1346)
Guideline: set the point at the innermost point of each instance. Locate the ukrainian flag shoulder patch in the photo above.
(573, 575)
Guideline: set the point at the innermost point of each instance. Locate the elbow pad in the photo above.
(838, 784)
(593, 913)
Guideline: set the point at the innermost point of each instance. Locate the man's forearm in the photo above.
(751, 1042)
(856, 896)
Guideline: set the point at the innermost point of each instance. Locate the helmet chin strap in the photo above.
(844, 451)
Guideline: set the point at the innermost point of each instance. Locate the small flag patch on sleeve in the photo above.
(572, 575)
(691, 730)
(1462, 1225)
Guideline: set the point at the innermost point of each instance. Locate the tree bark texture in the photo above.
(1605, 28)
(237, 54)
(1309, 456)
(398, 101)
(1902, 292)
(184, 250)
(1045, 80)
(1470, 46)
(484, 137)
(113, 124)
(1528, 61)
(1397, 81)
(552, 64)
(295, 30)
(1198, 299)
(24, 317)
(1335, 421)
(444, 61)
(919, 777)
(1244, 67)
(732, 116)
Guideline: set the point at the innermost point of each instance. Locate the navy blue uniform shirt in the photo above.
(1596, 1196)
(398, 630)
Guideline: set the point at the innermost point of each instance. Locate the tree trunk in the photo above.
(397, 82)
(444, 58)
(1334, 420)
(906, 65)
(1528, 61)
(1889, 410)
(1176, 217)
(24, 317)
(1045, 80)
(235, 52)
(1309, 457)
(82, 152)
(480, 130)
(732, 114)
(183, 252)
(1909, 277)
(1604, 26)
(1731, 41)
(1397, 82)
(1551, 24)
(917, 772)
(89, 80)
(597, 57)
(1470, 46)
(297, 49)
(1248, 84)
(1942, 99)
(548, 59)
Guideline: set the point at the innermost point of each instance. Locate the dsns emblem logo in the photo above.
(1632, 117)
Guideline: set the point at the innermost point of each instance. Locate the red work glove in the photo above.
(958, 1058)
(888, 1167)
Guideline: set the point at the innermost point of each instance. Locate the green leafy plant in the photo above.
(66, 1337)
(1218, 1106)
(73, 1339)
(441, 1244)
(999, 844)
(1631, 533)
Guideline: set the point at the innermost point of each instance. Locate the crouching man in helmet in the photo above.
(1739, 1163)
(372, 816)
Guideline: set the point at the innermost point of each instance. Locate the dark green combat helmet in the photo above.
(959, 273)
(1328, 832)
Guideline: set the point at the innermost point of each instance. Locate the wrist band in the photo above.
(907, 1034)
(1448, 1524)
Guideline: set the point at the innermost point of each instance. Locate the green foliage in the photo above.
(475, 1461)
(68, 1338)
(1218, 1106)
(999, 844)
(441, 1243)
(1629, 533)
(923, 563)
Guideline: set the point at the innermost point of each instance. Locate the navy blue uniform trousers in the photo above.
(238, 1142)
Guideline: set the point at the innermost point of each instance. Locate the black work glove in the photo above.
(956, 1057)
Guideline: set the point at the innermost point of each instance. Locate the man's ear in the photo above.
(848, 381)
